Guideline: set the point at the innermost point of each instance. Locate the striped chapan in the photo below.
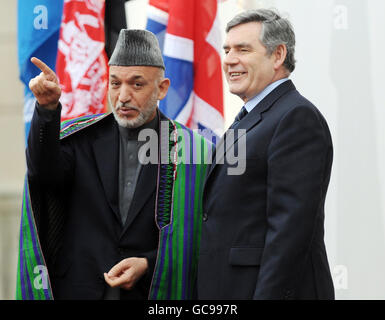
(32, 281)
(32, 277)
(178, 215)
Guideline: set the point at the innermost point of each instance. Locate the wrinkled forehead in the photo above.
(243, 34)
(126, 72)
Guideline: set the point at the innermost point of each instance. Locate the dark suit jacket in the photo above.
(263, 231)
(82, 171)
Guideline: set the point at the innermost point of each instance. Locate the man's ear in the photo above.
(279, 56)
(163, 88)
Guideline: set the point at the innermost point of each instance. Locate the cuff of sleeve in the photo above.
(151, 258)
(47, 115)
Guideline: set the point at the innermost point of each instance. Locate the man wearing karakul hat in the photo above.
(96, 219)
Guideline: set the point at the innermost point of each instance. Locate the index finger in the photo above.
(42, 66)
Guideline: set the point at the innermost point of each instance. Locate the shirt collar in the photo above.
(260, 96)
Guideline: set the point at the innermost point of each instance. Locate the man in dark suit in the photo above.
(108, 219)
(263, 229)
(98, 204)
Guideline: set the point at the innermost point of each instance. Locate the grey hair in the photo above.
(275, 31)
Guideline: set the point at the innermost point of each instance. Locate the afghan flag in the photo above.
(82, 61)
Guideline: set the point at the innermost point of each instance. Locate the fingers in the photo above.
(50, 85)
(42, 66)
(125, 280)
(120, 268)
(126, 273)
(46, 89)
(119, 274)
(40, 86)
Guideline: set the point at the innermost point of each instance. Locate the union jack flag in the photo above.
(189, 33)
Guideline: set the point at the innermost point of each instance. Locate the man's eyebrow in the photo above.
(238, 45)
(135, 77)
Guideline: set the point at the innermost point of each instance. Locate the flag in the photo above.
(189, 35)
(41, 23)
(82, 62)
(37, 35)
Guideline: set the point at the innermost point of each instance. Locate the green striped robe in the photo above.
(178, 215)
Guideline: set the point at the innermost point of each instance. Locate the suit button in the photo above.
(204, 217)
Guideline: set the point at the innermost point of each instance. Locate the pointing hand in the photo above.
(45, 87)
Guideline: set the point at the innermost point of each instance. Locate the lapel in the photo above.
(106, 152)
(250, 121)
(145, 185)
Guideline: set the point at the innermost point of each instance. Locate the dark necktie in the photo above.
(239, 117)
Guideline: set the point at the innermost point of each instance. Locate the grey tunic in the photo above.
(129, 166)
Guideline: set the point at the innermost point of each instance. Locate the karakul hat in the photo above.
(137, 48)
